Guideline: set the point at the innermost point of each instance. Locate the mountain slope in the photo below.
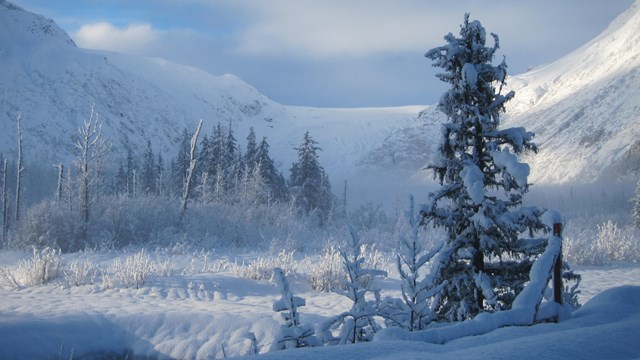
(585, 108)
(54, 83)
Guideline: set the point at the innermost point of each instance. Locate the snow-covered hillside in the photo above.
(585, 108)
(54, 83)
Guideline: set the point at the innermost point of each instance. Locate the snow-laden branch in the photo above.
(524, 312)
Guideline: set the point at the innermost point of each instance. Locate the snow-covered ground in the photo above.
(203, 310)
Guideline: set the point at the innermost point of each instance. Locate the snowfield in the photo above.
(202, 311)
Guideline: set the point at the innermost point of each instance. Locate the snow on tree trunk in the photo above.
(481, 267)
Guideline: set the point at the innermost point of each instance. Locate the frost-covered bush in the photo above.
(40, 269)
(617, 244)
(48, 224)
(262, 267)
(123, 221)
(131, 272)
(597, 245)
(78, 273)
(326, 273)
(164, 268)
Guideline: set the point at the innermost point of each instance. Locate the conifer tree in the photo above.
(479, 203)
(308, 182)
(230, 162)
(181, 163)
(273, 179)
(131, 170)
(217, 149)
(358, 323)
(293, 334)
(160, 176)
(413, 312)
(148, 176)
(250, 157)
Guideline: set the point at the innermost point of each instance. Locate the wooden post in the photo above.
(557, 268)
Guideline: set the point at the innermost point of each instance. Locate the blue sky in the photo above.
(331, 53)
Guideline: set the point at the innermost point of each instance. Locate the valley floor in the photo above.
(196, 314)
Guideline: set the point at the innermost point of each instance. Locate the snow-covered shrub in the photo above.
(131, 272)
(616, 243)
(123, 221)
(327, 273)
(8, 279)
(413, 311)
(588, 245)
(78, 273)
(292, 333)
(262, 267)
(358, 323)
(49, 224)
(163, 268)
(40, 269)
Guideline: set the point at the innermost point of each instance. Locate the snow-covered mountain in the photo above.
(585, 108)
(54, 83)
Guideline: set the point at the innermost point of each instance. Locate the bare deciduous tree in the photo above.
(192, 166)
(93, 149)
(20, 168)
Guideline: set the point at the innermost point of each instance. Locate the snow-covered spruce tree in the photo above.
(413, 311)
(635, 214)
(483, 265)
(308, 182)
(274, 180)
(292, 334)
(250, 157)
(358, 324)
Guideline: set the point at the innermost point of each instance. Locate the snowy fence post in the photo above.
(557, 267)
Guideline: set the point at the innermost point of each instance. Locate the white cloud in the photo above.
(338, 28)
(134, 38)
